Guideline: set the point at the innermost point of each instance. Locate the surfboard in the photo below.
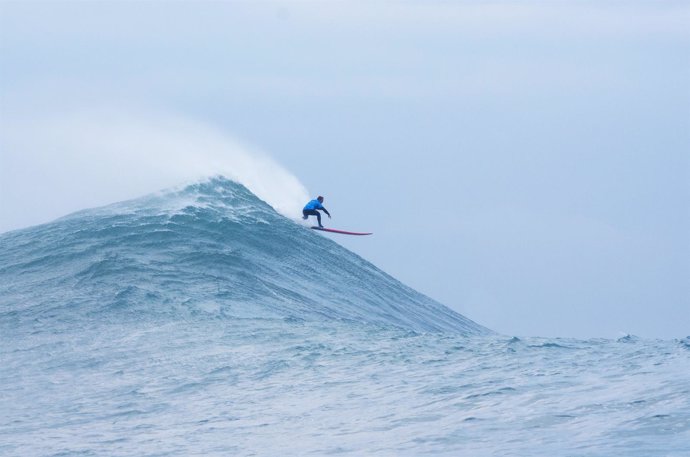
(342, 232)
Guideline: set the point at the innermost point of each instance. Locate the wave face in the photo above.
(211, 249)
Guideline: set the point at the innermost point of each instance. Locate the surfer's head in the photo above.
(320, 199)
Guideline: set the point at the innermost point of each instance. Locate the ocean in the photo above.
(199, 321)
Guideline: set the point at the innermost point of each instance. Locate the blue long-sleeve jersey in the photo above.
(314, 204)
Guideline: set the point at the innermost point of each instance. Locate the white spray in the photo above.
(55, 165)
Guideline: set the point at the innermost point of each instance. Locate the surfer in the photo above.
(311, 209)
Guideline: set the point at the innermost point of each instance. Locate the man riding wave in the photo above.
(312, 209)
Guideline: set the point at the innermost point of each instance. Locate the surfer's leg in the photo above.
(312, 212)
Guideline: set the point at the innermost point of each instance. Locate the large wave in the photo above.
(211, 249)
(199, 321)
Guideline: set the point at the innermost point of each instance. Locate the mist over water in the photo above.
(56, 164)
(199, 321)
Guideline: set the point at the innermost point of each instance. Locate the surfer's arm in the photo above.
(326, 211)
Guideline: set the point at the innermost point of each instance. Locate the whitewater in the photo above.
(200, 321)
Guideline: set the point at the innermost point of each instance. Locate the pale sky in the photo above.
(525, 163)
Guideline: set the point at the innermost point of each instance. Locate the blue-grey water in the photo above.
(201, 322)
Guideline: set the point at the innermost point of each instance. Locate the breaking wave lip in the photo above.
(212, 193)
(212, 249)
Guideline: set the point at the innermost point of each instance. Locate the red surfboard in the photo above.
(342, 232)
